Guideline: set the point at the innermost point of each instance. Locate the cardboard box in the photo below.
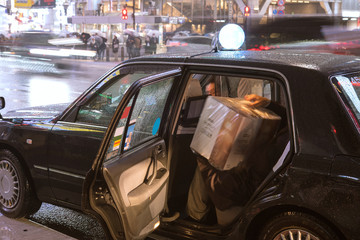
(229, 130)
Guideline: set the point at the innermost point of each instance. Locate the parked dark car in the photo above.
(121, 150)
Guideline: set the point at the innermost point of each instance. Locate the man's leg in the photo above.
(198, 204)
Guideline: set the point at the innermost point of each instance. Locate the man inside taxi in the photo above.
(228, 191)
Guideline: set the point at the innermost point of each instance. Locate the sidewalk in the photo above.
(16, 229)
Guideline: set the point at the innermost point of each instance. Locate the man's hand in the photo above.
(257, 101)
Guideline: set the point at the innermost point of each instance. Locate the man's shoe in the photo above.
(170, 217)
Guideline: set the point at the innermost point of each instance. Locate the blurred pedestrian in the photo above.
(94, 46)
(115, 47)
(84, 37)
(137, 46)
(100, 9)
(147, 45)
(98, 42)
(130, 46)
(153, 44)
(102, 48)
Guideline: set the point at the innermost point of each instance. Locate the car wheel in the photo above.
(296, 225)
(17, 198)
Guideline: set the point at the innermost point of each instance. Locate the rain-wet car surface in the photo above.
(121, 151)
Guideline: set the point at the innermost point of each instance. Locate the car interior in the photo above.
(183, 158)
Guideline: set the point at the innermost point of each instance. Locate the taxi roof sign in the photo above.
(231, 37)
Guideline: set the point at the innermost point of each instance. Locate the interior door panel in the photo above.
(140, 202)
(139, 194)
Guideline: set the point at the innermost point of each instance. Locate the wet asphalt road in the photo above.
(33, 83)
(26, 83)
(72, 223)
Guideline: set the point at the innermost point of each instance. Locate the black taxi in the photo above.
(121, 151)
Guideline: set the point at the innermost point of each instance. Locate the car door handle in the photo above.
(149, 180)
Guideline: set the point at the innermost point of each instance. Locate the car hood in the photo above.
(39, 112)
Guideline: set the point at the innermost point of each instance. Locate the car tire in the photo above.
(17, 198)
(290, 225)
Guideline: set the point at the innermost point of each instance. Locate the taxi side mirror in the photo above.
(2, 102)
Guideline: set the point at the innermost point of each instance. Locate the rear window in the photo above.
(349, 89)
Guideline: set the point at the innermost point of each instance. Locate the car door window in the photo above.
(147, 113)
(116, 140)
(99, 109)
(228, 86)
(202, 85)
(145, 117)
(236, 86)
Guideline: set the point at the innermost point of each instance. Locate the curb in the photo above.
(25, 229)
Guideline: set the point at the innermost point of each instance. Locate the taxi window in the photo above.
(105, 97)
(349, 89)
(147, 113)
(232, 86)
(117, 137)
(201, 85)
(145, 118)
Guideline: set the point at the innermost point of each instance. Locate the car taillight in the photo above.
(174, 44)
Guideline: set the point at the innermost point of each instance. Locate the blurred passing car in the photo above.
(188, 44)
(25, 41)
(318, 34)
(43, 45)
(121, 151)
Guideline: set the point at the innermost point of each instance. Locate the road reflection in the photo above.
(23, 86)
(51, 91)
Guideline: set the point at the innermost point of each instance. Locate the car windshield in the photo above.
(349, 90)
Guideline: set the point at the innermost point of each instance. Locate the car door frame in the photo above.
(95, 185)
(197, 231)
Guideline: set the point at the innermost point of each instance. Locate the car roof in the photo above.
(327, 63)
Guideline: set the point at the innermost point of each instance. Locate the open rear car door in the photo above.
(127, 184)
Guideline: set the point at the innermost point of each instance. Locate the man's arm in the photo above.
(259, 101)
